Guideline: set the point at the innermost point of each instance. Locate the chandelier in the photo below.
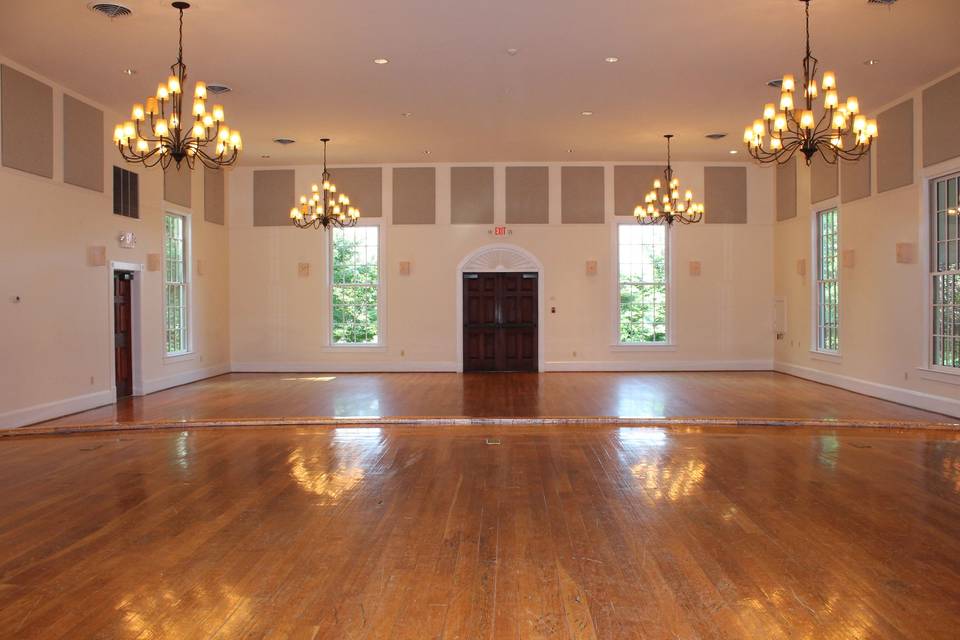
(324, 207)
(158, 133)
(841, 131)
(663, 204)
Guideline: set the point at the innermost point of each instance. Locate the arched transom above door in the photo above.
(500, 257)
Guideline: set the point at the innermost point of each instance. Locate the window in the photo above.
(355, 286)
(945, 272)
(642, 281)
(175, 283)
(828, 283)
(126, 193)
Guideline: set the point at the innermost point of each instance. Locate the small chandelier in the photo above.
(324, 207)
(663, 204)
(790, 129)
(158, 134)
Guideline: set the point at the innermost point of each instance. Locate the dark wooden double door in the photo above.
(499, 321)
(123, 332)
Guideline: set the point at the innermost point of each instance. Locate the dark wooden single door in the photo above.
(123, 332)
(499, 322)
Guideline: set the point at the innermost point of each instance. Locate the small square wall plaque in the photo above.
(906, 253)
(695, 268)
(154, 262)
(303, 270)
(405, 267)
(591, 267)
(97, 256)
(849, 259)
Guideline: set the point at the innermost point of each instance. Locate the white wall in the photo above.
(56, 344)
(884, 328)
(279, 321)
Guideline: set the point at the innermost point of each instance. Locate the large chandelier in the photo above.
(324, 207)
(663, 204)
(841, 131)
(158, 133)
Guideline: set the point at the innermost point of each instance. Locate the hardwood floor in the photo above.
(556, 532)
(729, 394)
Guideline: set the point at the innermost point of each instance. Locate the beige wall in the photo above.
(56, 347)
(883, 304)
(723, 317)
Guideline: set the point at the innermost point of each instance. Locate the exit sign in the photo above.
(499, 231)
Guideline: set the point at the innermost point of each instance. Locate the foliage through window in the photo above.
(945, 272)
(642, 257)
(828, 284)
(355, 287)
(175, 294)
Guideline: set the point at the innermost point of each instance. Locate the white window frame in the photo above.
(929, 255)
(381, 343)
(187, 285)
(616, 345)
(816, 283)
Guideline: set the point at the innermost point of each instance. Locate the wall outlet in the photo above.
(574, 354)
(92, 380)
(403, 352)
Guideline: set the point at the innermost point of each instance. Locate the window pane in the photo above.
(828, 286)
(356, 285)
(945, 273)
(175, 296)
(641, 254)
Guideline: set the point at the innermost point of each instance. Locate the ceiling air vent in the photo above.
(776, 83)
(881, 2)
(110, 9)
(284, 141)
(217, 89)
(716, 136)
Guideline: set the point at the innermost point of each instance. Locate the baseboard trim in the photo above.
(682, 365)
(342, 367)
(918, 399)
(55, 409)
(177, 379)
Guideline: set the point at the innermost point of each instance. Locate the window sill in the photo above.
(640, 346)
(939, 375)
(374, 348)
(826, 356)
(189, 356)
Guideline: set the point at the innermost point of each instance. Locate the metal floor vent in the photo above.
(110, 9)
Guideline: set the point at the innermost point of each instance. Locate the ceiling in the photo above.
(303, 69)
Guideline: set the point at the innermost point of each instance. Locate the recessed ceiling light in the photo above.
(284, 141)
(426, 151)
(733, 152)
(512, 52)
(129, 72)
(380, 61)
(716, 136)
(569, 150)
(611, 59)
(871, 62)
(586, 113)
(776, 82)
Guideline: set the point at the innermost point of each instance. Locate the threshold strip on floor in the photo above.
(317, 421)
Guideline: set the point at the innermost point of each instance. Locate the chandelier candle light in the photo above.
(324, 207)
(841, 131)
(663, 204)
(158, 133)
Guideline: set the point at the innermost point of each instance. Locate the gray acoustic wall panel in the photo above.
(824, 180)
(214, 200)
(471, 195)
(941, 121)
(631, 183)
(724, 195)
(82, 144)
(274, 194)
(786, 190)
(364, 187)
(26, 123)
(855, 180)
(895, 147)
(177, 184)
(528, 195)
(581, 195)
(415, 195)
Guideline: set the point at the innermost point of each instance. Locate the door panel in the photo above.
(500, 322)
(123, 332)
